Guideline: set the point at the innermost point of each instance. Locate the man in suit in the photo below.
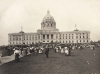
(47, 51)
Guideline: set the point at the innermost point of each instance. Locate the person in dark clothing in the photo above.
(47, 52)
(8, 51)
(69, 50)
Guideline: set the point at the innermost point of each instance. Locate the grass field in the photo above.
(84, 61)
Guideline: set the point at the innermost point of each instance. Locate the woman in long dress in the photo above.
(62, 50)
(17, 54)
(66, 51)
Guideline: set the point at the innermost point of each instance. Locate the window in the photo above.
(19, 38)
(87, 41)
(76, 37)
(83, 36)
(66, 41)
(66, 37)
(83, 40)
(51, 36)
(60, 36)
(87, 36)
(43, 36)
(80, 41)
(80, 37)
(47, 36)
(69, 37)
(72, 37)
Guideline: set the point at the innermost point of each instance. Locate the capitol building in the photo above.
(49, 33)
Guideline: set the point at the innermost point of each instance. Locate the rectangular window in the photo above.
(87, 36)
(72, 37)
(80, 37)
(69, 37)
(83, 36)
(47, 36)
(87, 41)
(13, 38)
(60, 36)
(83, 40)
(76, 37)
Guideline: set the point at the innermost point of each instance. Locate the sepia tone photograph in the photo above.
(49, 37)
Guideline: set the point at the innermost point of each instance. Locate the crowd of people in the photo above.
(42, 49)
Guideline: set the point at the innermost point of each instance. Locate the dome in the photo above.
(48, 17)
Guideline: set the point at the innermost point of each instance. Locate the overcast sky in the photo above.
(29, 13)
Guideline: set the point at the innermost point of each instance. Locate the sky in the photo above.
(30, 13)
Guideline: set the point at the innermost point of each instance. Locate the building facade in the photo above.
(49, 33)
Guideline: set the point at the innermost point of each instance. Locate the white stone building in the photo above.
(49, 33)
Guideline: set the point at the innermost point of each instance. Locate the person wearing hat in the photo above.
(17, 54)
